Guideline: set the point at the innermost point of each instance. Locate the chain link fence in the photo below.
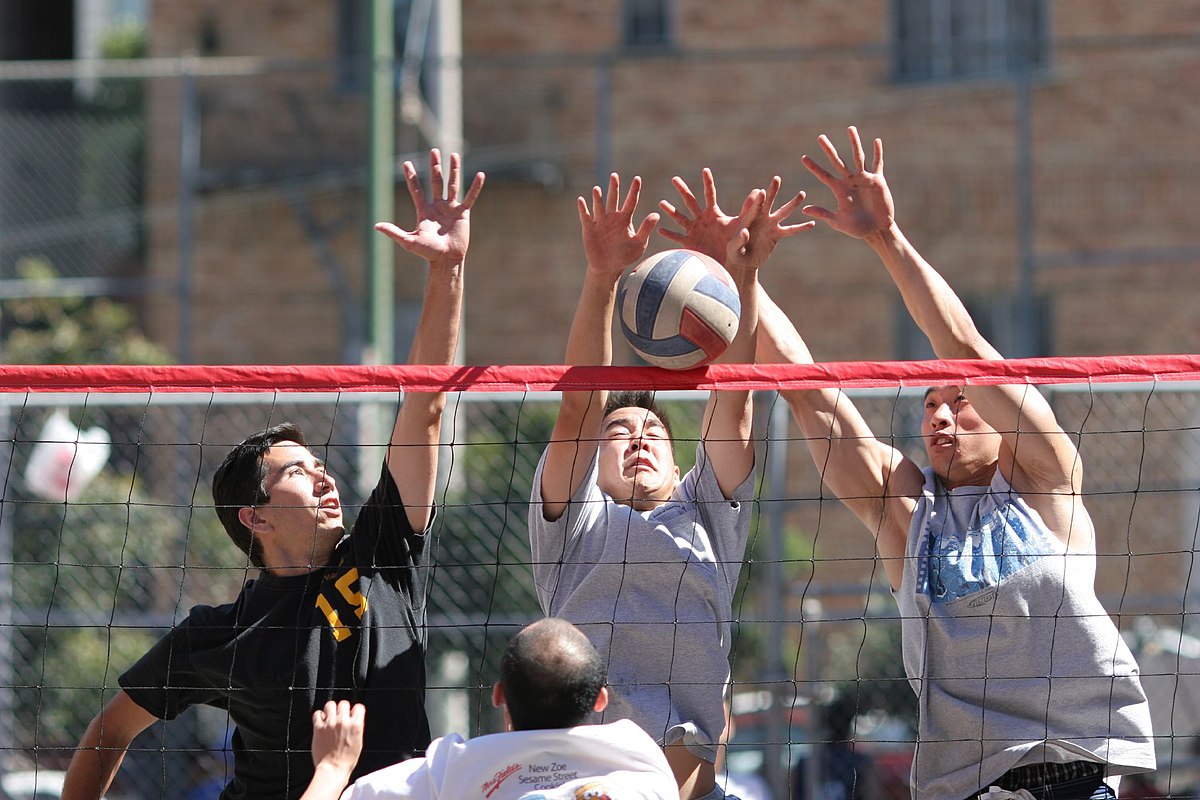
(94, 581)
(73, 167)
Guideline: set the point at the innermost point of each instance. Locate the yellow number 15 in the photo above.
(351, 596)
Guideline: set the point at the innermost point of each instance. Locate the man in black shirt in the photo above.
(330, 616)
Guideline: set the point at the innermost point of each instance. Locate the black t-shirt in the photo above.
(354, 630)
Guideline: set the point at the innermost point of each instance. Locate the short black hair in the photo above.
(239, 482)
(551, 676)
(638, 399)
(837, 716)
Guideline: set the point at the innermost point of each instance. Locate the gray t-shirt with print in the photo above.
(1013, 658)
(654, 593)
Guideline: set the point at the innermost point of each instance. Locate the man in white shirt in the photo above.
(551, 680)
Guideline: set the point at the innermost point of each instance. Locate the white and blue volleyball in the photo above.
(679, 309)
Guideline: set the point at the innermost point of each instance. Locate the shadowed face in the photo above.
(962, 448)
(636, 459)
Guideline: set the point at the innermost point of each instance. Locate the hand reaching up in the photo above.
(443, 230)
(764, 228)
(864, 202)
(610, 242)
(706, 228)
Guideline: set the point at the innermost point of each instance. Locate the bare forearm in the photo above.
(839, 439)
(103, 746)
(435, 342)
(436, 337)
(932, 303)
(412, 452)
(728, 423)
(92, 770)
(741, 349)
(327, 783)
(573, 442)
(822, 414)
(590, 339)
(589, 344)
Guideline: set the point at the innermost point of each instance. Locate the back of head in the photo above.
(637, 399)
(837, 716)
(238, 482)
(551, 675)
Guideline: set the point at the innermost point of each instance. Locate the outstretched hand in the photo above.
(610, 242)
(706, 228)
(443, 229)
(764, 228)
(864, 202)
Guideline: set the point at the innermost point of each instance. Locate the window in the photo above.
(947, 39)
(646, 23)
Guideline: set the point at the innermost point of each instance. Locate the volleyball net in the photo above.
(108, 536)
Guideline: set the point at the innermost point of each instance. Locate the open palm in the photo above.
(864, 202)
(610, 241)
(706, 228)
(443, 229)
(765, 227)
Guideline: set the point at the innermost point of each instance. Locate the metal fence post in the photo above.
(189, 169)
(778, 720)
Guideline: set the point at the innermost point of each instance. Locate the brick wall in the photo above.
(748, 90)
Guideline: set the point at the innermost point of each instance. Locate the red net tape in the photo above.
(420, 378)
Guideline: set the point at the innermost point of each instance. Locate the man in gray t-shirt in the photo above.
(1022, 680)
(644, 562)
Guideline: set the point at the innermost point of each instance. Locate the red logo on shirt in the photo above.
(489, 787)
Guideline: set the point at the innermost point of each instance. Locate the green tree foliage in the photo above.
(124, 40)
(107, 572)
(46, 328)
(54, 701)
(95, 580)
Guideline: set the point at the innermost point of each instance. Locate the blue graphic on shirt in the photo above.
(998, 546)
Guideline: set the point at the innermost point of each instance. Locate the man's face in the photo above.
(962, 448)
(304, 498)
(637, 463)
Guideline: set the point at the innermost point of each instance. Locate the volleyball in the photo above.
(679, 309)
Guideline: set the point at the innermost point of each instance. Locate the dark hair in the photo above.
(837, 717)
(238, 483)
(638, 399)
(551, 676)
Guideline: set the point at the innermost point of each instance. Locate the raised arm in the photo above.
(610, 243)
(742, 244)
(336, 746)
(874, 480)
(102, 748)
(441, 236)
(1038, 458)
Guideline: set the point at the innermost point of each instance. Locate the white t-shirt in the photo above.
(618, 760)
